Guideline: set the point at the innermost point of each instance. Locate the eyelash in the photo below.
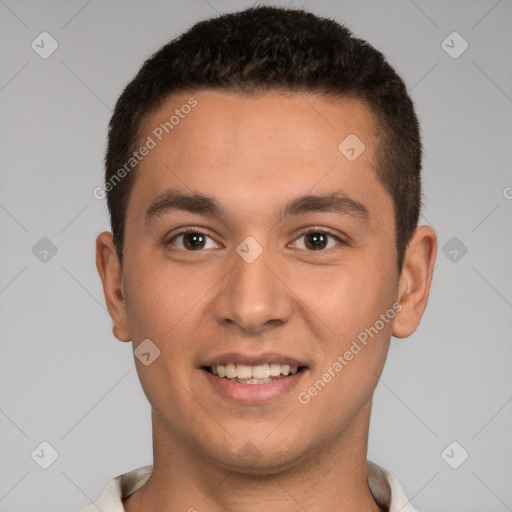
(321, 231)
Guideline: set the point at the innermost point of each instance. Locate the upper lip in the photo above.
(253, 360)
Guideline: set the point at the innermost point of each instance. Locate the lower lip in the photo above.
(253, 392)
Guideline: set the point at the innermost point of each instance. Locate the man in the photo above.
(263, 181)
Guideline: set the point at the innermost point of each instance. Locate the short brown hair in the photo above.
(265, 48)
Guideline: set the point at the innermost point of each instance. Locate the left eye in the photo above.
(192, 241)
(318, 240)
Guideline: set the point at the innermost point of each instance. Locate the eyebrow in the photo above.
(174, 200)
(335, 202)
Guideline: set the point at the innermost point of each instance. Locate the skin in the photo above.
(253, 154)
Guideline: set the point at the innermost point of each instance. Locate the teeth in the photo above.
(275, 370)
(243, 371)
(250, 373)
(261, 372)
(255, 381)
(230, 370)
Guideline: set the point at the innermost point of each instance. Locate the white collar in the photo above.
(384, 487)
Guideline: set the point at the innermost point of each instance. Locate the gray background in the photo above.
(66, 380)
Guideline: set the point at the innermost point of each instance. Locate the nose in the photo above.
(252, 297)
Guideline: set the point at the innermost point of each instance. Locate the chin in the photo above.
(259, 456)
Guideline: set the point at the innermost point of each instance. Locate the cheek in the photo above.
(361, 307)
(160, 307)
(349, 298)
(357, 340)
(148, 307)
(159, 296)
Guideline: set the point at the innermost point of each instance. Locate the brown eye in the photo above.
(317, 241)
(192, 241)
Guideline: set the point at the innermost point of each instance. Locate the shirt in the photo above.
(384, 487)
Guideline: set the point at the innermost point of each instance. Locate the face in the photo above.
(259, 260)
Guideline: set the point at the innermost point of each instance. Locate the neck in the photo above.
(332, 477)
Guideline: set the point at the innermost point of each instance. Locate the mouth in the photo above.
(247, 378)
(258, 374)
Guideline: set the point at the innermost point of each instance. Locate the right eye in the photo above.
(192, 240)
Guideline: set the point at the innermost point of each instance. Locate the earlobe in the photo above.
(415, 281)
(109, 269)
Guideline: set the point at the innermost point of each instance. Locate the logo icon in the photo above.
(454, 455)
(454, 250)
(351, 147)
(44, 45)
(249, 249)
(44, 250)
(454, 45)
(146, 352)
(44, 455)
(249, 454)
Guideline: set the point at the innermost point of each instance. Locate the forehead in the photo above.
(221, 119)
(242, 148)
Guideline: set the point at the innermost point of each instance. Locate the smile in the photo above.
(259, 374)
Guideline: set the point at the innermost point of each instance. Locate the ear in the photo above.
(111, 276)
(415, 280)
